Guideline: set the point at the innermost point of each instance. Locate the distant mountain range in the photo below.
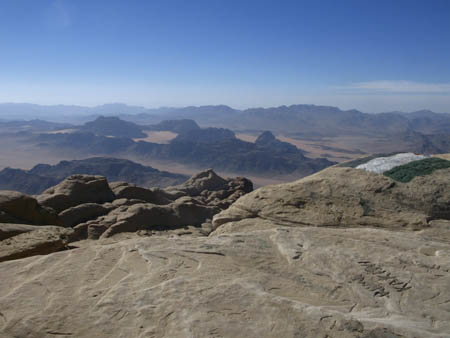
(297, 120)
(43, 176)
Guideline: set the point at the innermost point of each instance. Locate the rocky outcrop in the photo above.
(84, 212)
(131, 191)
(331, 255)
(347, 197)
(183, 212)
(42, 241)
(75, 190)
(8, 230)
(213, 189)
(19, 208)
(95, 209)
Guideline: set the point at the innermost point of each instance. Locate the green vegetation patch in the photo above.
(405, 173)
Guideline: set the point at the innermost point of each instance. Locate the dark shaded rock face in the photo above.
(19, 208)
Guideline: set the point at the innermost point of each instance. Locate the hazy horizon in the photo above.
(371, 56)
(212, 105)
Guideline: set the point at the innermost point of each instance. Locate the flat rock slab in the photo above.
(266, 281)
(45, 240)
(8, 230)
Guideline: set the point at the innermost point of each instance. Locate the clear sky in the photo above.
(371, 55)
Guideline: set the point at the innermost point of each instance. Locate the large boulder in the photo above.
(84, 212)
(75, 190)
(205, 180)
(131, 191)
(347, 197)
(16, 207)
(146, 216)
(43, 241)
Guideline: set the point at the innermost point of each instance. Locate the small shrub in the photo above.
(405, 173)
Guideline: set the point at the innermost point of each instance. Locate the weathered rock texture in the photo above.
(96, 209)
(270, 269)
(278, 282)
(347, 197)
(76, 190)
(8, 230)
(42, 241)
(16, 207)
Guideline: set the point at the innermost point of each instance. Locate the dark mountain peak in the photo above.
(265, 137)
(269, 141)
(113, 126)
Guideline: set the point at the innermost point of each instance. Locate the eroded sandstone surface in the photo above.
(343, 253)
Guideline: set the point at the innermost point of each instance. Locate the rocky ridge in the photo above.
(91, 208)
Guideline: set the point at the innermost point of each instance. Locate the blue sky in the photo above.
(370, 55)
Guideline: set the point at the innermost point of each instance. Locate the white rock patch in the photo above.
(382, 164)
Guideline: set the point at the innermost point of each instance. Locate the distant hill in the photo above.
(175, 126)
(33, 125)
(42, 176)
(64, 113)
(113, 126)
(215, 148)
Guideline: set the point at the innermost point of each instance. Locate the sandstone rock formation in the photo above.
(45, 240)
(279, 282)
(331, 255)
(89, 205)
(75, 190)
(84, 212)
(131, 191)
(346, 197)
(19, 208)
(8, 230)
